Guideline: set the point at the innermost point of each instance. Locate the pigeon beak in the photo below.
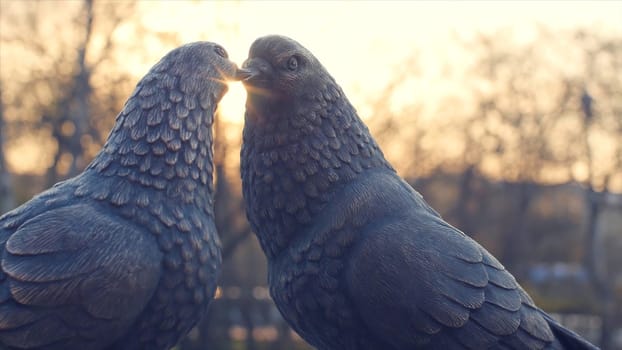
(254, 69)
(244, 74)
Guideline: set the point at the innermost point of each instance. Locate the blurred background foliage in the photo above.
(521, 147)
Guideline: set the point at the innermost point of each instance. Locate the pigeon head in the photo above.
(302, 141)
(169, 117)
(279, 69)
(201, 66)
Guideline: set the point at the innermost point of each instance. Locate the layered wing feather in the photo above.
(72, 274)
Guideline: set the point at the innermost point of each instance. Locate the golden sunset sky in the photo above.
(363, 44)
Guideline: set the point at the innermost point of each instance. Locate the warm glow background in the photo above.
(363, 44)
(478, 104)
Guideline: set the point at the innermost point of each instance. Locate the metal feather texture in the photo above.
(357, 259)
(126, 254)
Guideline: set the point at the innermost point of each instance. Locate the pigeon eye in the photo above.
(221, 52)
(292, 63)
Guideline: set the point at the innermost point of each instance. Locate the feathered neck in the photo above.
(295, 159)
(162, 139)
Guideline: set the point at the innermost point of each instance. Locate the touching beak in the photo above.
(244, 74)
(253, 69)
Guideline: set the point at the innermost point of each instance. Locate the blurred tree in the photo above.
(517, 124)
(529, 120)
(601, 120)
(6, 193)
(406, 122)
(520, 101)
(71, 99)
